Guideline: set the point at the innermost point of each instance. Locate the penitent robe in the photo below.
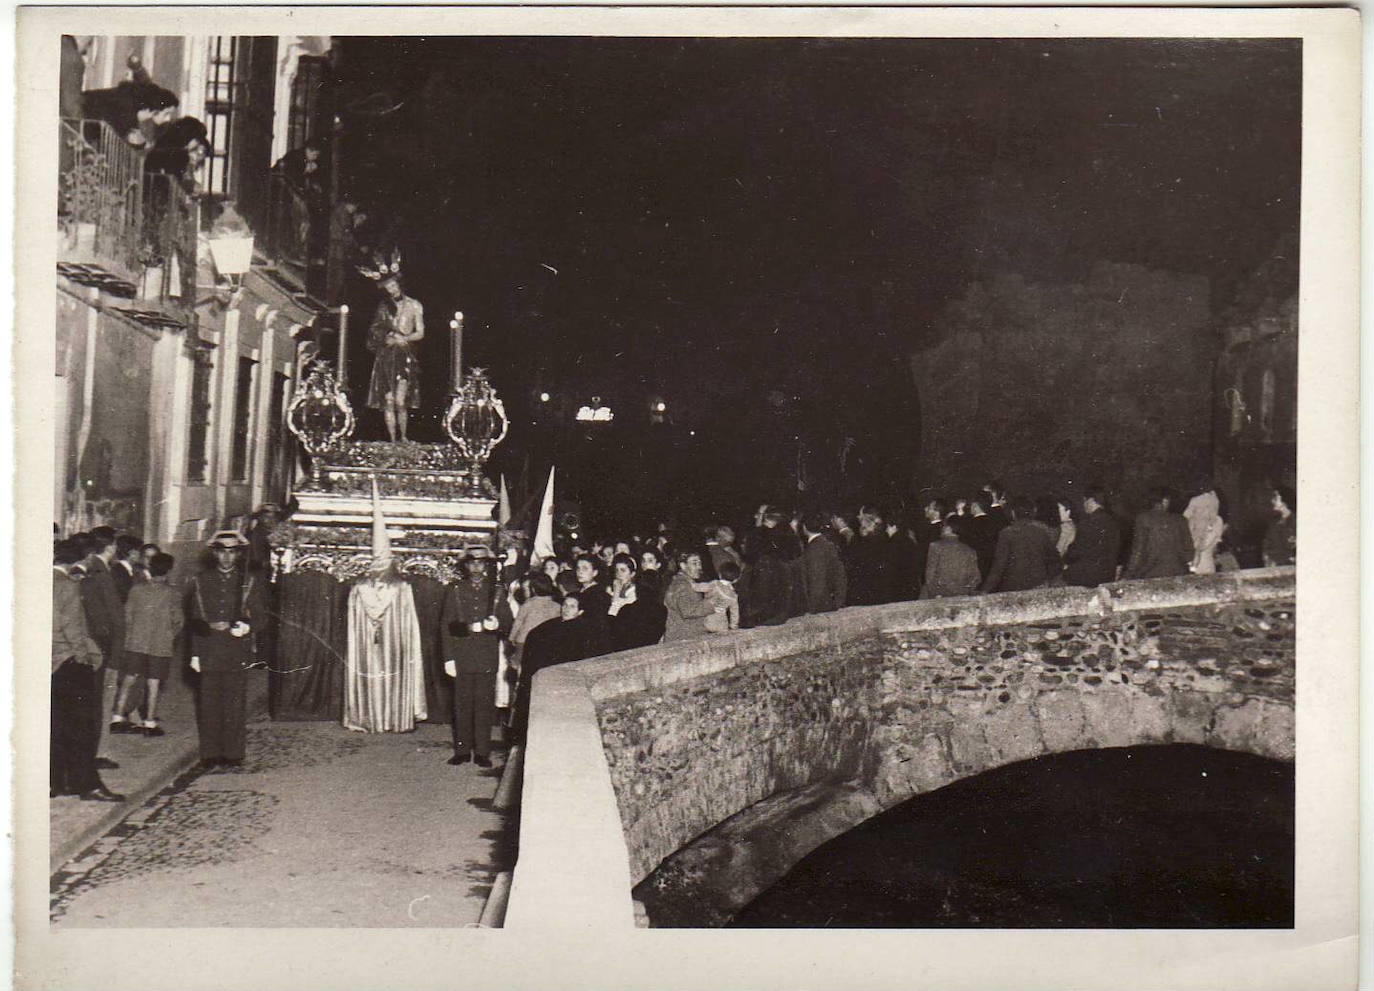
(384, 685)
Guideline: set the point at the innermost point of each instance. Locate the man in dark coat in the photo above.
(928, 529)
(980, 531)
(104, 620)
(826, 582)
(100, 595)
(76, 659)
(574, 636)
(951, 565)
(993, 498)
(1162, 544)
(869, 562)
(767, 595)
(224, 606)
(1091, 559)
(474, 617)
(1025, 556)
(903, 558)
(641, 622)
(127, 568)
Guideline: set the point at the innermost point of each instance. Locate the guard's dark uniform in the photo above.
(476, 658)
(214, 597)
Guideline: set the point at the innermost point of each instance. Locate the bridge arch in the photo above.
(729, 759)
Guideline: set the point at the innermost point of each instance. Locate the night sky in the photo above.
(713, 220)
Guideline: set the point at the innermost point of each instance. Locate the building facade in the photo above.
(1255, 412)
(174, 365)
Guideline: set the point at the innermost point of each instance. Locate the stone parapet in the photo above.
(799, 732)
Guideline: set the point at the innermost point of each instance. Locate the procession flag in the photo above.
(503, 508)
(543, 536)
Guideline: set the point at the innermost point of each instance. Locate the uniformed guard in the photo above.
(223, 604)
(475, 616)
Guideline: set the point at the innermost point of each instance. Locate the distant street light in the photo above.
(595, 413)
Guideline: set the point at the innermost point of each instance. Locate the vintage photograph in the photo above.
(763, 480)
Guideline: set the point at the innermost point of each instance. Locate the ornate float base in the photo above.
(433, 507)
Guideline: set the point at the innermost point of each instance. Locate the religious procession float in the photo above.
(429, 506)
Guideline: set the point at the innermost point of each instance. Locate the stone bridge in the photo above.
(717, 764)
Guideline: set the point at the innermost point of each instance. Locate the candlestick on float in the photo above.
(456, 326)
(343, 346)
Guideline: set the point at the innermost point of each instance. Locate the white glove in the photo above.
(451, 669)
(239, 629)
(490, 623)
(475, 626)
(195, 665)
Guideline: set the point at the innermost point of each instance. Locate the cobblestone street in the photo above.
(321, 827)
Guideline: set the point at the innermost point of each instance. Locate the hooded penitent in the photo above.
(381, 540)
(383, 673)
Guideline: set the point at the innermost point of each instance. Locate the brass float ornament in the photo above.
(320, 415)
(476, 422)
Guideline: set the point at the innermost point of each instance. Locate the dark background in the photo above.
(759, 231)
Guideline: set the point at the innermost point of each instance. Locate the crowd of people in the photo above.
(116, 609)
(628, 591)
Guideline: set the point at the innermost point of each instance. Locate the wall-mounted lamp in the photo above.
(230, 241)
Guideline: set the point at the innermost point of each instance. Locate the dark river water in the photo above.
(1160, 837)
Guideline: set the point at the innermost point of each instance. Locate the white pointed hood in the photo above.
(381, 540)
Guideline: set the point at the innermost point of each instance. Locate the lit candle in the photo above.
(343, 346)
(456, 325)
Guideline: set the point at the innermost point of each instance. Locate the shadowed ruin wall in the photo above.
(1044, 385)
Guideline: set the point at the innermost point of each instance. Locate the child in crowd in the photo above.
(721, 595)
(153, 619)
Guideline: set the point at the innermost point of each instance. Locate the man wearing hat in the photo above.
(475, 615)
(223, 605)
(265, 520)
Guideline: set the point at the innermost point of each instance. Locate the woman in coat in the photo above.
(687, 608)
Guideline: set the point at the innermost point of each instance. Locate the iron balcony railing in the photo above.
(101, 191)
(171, 222)
(141, 225)
(295, 232)
(288, 224)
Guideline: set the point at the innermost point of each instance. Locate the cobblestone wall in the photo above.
(938, 692)
(960, 701)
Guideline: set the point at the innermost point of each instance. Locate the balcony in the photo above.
(100, 199)
(293, 235)
(125, 231)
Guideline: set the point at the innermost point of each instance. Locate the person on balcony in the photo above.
(135, 110)
(169, 176)
(398, 323)
(180, 148)
(304, 171)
